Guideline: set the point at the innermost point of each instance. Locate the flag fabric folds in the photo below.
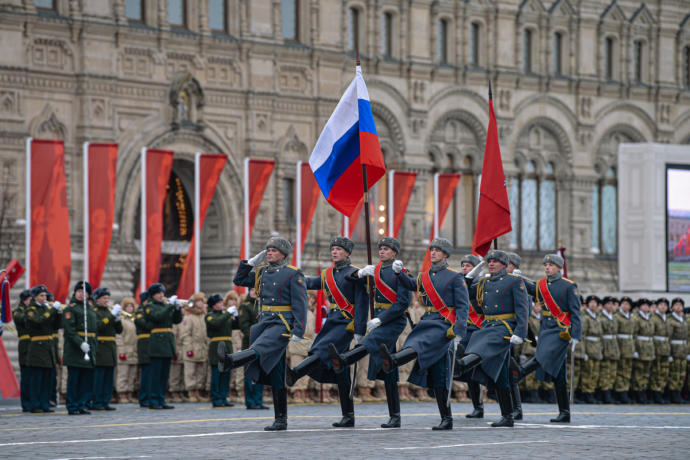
(347, 142)
(14, 271)
(399, 199)
(493, 215)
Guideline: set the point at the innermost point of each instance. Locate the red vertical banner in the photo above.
(403, 184)
(350, 223)
(444, 193)
(102, 173)
(9, 387)
(158, 169)
(308, 197)
(50, 261)
(210, 168)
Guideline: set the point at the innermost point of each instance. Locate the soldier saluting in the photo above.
(283, 299)
(391, 302)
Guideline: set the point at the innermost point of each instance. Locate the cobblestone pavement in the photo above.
(197, 431)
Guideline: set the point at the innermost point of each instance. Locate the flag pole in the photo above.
(27, 229)
(142, 238)
(298, 215)
(391, 203)
(86, 243)
(245, 243)
(491, 98)
(197, 222)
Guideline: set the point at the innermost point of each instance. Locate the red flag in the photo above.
(493, 216)
(14, 271)
(447, 183)
(308, 199)
(210, 168)
(561, 252)
(102, 169)
(320, 303)
(9, 387)
(158, 168)
(50, 258)
(403, 184)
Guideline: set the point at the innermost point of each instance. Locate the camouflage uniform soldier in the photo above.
(624, 326)
(662, 352)
(678, 335)
(643, 331)
(176, 381)
(592, 332)
(611, 353)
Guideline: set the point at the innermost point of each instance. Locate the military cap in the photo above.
(50, 297)
(554, 259)
(80, 285)
(498, 255)
(662, 300)
(442, 244)
(678, 299)
(36, 290)
(343, 242)
(643, 301)
(25, 294)
(143, 296)
(198, 296)
(390, 242)
(608, 299)
(470, 259)
(627, 299)
(613, 299)
(100, 292)
(280, 244)
(155, 288)
(214, 299)
(514, 259)
(592, 297)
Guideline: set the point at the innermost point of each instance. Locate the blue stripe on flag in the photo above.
(366, 118)
(345, 151)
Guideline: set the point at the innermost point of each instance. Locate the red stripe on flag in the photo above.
(102, 180)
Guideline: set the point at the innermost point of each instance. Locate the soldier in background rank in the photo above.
(109, 324)
(391, 302)
(643, 332)
(195, 346)
(219, 325)
(678, 335)
(662, 352)
(611, 353)
(624, 326)
(283, 299)
(560, 324)
(436, 337)
(143, 336)
(19, 318)
(127, 368)
(591, 332)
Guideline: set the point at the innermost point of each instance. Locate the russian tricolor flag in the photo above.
(347, 142)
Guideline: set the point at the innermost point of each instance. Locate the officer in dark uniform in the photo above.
(514, 261)
(347, 316)
(439, 332)
(391, 302)
(41, 322)
(503, 300)
(79, 350)
(109, 324)
(555, 332)
(19, 318)
(143, 336)
(161, 316)
(283, 299)
(219, 325)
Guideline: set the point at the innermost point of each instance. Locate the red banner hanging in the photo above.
(102, 180)
(309, 196)
(9, 387)
(447, 183)
(50, 253)
(403, 184)
(352, 221)
(13, 271)
(158, 169)
(210, 168)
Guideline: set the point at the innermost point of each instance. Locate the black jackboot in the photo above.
(607, 398)
(393, 399)
(515, 394)
(505, 402)
(474, 390)
(347, 406)
(227, 361)
(530, 366)
(468, 362)
(444, 409)
(342, 361)
(294, 374)
(563, 405)
(280, 409)
(393, 360)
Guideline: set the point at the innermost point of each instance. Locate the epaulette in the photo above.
(566, 279)
(513, 274)
(453, 270)
(293, 267)
(355, 266)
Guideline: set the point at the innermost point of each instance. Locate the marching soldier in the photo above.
(219, 325)
(611, 353)
(662, 352)
(108, 325)
(195, 346)
(391, 302)
(347, 316)
(80, 350)
(19, 318)
(560, 325)
(283, 299)
(249, 316)
(626, 345)
(503, 300)
(678, 334)
(126, 343)
(161, 316)
(643, 332)
(435, 338)
(593, 354)
(143, 337)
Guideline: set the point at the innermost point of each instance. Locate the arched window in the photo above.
(177, 14)
(475, 39)
(527, 51)
(604, 214)
(610, 58)
(353, 29)
(290, 19)
(638, 61)
(387, 34)
(442, 42)
(547, 208)
(557, 55)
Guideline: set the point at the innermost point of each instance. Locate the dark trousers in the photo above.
(24, 388)
(79, 387)
(253, 392)
(277, 376)
(160, 371)
(102, 386)
(436, 376)
(561, 379)
(145, 385)
(220, 385)
(39, 387)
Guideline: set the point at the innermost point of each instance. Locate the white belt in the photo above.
(644, 338)
(660, 338)
(677, 342)
(592, 338)
(607, 336)
(625, 336)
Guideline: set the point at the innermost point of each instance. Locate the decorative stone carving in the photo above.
(187, 100)
(51, 53)
(295, 79)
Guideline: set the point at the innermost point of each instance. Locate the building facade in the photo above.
(572, 79)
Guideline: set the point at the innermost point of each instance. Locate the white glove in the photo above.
(232, 310)
(586, 358)
(517, 272)
(515, 340)
(116, 310)
(293, 338)
(257, 259)
(670, 359)
(366, 271)
(373, 324)
(85, 347)
(173, 300)
(358, 338)
(523, 359)
(573, 343)
(456, 341)
(636, 355)
(56, 305)
(397, 266)
(687, 358)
